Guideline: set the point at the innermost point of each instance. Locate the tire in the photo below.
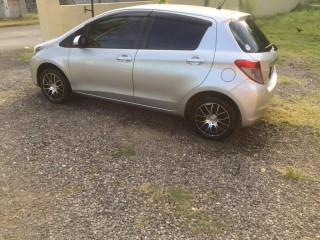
(213, 118)
(55, 85)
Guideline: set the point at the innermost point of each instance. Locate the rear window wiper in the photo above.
(272, 45)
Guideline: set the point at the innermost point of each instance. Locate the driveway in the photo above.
(97, 170)
(19, 37)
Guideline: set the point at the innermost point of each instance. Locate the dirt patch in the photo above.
(65, 174)
(12, 38)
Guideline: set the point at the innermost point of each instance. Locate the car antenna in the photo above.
(220, 6)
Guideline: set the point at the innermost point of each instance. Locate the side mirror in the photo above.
(79, 41)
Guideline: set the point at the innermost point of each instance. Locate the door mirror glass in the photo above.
(76, 40)
(79, 41)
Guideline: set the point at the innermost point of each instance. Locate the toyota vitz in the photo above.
(213, 66)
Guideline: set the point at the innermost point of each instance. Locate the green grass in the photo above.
(31, 19)
(142, 222)
(291, 173)
(2, 192)
(177, 202)
(303, 49)
(281, 30)
(178, 195)
(72, 189)
(289, 80)
(24, 54)
(14, 238)
(96, 169)
(296, 111)
(124, 152)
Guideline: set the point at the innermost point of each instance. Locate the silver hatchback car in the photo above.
(213, 66)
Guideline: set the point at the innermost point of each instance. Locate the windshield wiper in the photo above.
(272, 45)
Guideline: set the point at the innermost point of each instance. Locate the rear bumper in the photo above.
(253, 98)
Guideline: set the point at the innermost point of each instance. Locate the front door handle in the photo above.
(124, 58)
(196, 60)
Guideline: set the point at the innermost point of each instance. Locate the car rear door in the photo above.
(175, 56)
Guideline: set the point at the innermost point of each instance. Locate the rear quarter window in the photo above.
(249, 37)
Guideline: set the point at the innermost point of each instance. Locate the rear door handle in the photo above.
(196, 60)
(124, 58)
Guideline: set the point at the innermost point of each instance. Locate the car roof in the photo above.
(217, 14)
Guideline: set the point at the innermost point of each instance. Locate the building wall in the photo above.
(262, 8)
(73, 15)
(270, 8)
(55, 19)
(229, 4)
(50, 17)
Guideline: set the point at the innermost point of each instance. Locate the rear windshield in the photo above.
(249, 37)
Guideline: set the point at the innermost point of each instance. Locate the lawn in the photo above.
(303, 50)
(282, 30)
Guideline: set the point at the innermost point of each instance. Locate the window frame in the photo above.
(148, 21)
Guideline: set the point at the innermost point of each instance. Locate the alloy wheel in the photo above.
(212, 119)
(53, 86)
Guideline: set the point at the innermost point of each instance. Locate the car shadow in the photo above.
(249, 140)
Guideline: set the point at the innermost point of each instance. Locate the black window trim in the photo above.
(180, 17)
(147, 33)
(151, 16)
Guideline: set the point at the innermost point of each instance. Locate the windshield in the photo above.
(249, 37)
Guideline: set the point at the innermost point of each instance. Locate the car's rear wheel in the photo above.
(213, 118)
(55, 85)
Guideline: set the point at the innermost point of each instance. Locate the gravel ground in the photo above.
(97, 170)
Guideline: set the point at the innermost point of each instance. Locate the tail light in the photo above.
(252, 69)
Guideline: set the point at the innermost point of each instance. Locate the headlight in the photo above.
(37, 48)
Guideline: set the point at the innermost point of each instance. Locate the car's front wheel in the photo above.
(213, 118)
(54, 85)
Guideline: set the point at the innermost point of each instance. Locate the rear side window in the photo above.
(170, 34)
(249, 37)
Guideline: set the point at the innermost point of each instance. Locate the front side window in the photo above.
(169, 34)
(120, 32)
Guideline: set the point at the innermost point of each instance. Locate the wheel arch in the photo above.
(45, 66)
(205, 94)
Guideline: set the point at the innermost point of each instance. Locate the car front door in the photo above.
(176, 55)
(102, 63)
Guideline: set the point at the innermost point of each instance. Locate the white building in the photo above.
(12, 9)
